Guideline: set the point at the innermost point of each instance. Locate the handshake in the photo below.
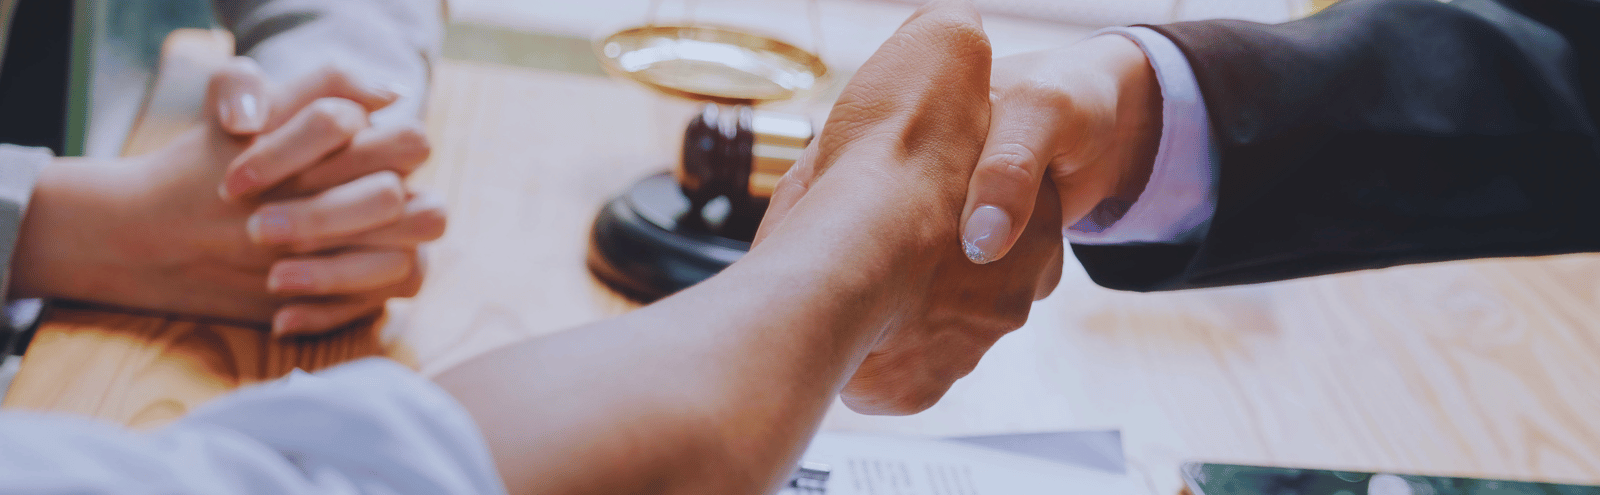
(945, 177)
(921, 214)
(915, 231)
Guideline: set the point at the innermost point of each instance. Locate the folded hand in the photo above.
(316, 229)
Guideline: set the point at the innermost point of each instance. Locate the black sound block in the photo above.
(646, 243)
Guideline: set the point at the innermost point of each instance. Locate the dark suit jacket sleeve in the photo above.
(1387, 132)
(391, 42)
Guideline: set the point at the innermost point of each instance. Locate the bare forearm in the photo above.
(716, 389)
(711, 391)
(55, 255)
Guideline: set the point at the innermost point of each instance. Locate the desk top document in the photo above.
(860, 464)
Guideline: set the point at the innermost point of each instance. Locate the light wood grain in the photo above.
(524, 159)
(146, 370)
(1482, 368)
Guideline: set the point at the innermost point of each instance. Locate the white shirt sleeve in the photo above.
(371, 426)
(19, 168)
(1178, 202)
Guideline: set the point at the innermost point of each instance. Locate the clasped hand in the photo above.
(287, 207)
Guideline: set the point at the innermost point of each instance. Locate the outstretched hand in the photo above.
(883, 187)
(1085, 117)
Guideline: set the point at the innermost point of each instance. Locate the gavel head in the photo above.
(738, 153)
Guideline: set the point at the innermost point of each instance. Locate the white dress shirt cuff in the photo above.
(1178, 202)
(371, 426)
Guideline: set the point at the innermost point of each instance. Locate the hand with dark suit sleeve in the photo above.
(1387, 132)
(1084, 119)
(1380, 133)
(1376, 133)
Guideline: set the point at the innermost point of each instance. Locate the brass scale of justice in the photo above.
(674, 229)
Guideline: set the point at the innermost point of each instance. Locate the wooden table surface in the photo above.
(1484, 368)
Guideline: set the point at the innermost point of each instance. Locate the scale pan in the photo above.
(709, 63)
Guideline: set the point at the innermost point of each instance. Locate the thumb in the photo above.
(791, 187)
(1004, 186)
(236, 97)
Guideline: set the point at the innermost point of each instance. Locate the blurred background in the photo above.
(548, 34)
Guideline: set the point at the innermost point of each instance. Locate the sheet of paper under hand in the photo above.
(858, 464)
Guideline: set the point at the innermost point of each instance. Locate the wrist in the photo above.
(1138, 114)
(863, 257)
(61, 244)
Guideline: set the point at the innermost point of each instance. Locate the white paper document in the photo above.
(883, 465)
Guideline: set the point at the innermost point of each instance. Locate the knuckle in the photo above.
(890, 386)
(1013, 319)
(412, 140)
(400, 266)
(237, 69)
(960, 30)
(1009, 312)
(429, 224)
(245, 67)
(903, 401)
(396, 261)
(221, 82)
(1013, 165)
(305, 246)
(917, 400)
(413, 283)
(389, 193)
(332, 76)
(335, 116)
(1041, 92)
(307, 277)
(251, 161)
(412, 286)
(968, 37)
(1046, 287)
(312, 222)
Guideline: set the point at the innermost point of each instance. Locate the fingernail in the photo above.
(289, 279)
(388, 90)
(251, 116)
(284, 323)
(269, 227)
(985, 233)
(227, 116)
(238, 182)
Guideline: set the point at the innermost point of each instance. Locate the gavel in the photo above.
(738, 153)
(676, 228)
(672, 230)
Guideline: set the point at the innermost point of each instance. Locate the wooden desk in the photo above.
(511, 265)
(1485, 368)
